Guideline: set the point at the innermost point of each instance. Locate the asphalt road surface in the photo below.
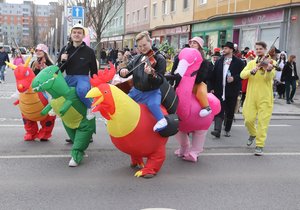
(35, 175)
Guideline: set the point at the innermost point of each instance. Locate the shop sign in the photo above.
(258, 18)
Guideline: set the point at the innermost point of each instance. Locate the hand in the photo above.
(124, 72)
(64, 57)
(269, 67)
(253, 72)
(148, 69)
(230, 79)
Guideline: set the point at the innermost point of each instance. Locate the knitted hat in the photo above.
(198, 40)
(42, 47)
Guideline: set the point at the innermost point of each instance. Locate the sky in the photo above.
(45, 2)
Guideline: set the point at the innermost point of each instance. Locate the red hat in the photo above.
(250, 53)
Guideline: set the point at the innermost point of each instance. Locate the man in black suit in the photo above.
(226, 85)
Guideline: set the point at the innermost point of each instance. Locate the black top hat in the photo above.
(229, 44)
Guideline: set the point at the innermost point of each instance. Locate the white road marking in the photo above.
(203, 154)
(279, 125)
(35, 156)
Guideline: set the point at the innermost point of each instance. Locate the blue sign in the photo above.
(77, 12)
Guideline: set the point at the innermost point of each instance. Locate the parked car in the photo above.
(23, 50)
(7, 49)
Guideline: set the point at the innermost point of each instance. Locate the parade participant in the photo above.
(81, 63)
(31, 104)
(258, 104)
(249, 57)
(3, 57)
(147, 79)
(189, 107)
(120, 60)
(201, 77)
(43, 59)
(289, 76)
(18, 60)
(226, 83)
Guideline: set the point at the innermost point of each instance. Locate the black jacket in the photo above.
(143, 81)
(231, 89)
(82, 63)
(3, 57)
(287, 72)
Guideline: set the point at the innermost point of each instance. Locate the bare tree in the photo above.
(99, 14)
(34, 27)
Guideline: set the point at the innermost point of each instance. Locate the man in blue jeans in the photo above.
(81, 63)
(3, 57)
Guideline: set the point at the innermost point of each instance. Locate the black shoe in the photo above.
(70, 141)
(288, 102)
(216, 133)
(292, 100)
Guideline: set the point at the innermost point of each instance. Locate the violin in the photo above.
(149, 58)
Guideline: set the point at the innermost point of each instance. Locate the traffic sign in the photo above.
(77, 12)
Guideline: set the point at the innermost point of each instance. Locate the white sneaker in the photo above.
(52, 113)
(160, 125)
(204, 112)
(72, 163)
(89, 114)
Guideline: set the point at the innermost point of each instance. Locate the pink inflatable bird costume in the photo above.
(189, 107)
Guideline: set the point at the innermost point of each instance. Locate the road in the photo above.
(35, 175)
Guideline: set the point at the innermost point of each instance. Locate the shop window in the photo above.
(222, 37)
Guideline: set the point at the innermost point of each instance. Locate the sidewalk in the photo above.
(281, 108)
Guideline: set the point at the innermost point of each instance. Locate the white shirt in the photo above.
(226, 64)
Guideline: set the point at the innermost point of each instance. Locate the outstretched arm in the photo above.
(46, 110)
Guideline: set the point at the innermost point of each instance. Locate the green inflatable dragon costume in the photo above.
(68, 106)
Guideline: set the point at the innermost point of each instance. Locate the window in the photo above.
(154, 10)
(202, 2)
(127, 19)
(116, 23)
(185, 4)
(173, 5)
(121, 20)
(138, 16)
(145, 13)
(133, 17)
(164, 7)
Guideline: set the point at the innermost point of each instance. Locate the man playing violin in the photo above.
(147, 69)
(259, 99)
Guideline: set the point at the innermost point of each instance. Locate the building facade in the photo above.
(170, 20)
(113, 34)
(137, 19)
(25, 22)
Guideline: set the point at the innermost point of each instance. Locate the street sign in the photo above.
(77, 20)
(77, 12)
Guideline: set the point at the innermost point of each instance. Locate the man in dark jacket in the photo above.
(147, 79)
(226, 84)
(3, 57)
(81, 64)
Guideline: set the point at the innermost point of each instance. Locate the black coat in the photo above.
(231, 89)
(143, 81)
(287, 72)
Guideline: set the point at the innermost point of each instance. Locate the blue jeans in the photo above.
(2, 69)
(152, 99)
(82, 86)
(290, 95)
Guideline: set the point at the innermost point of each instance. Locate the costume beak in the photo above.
(95, 93)
(182, 67)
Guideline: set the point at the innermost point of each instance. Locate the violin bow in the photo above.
(142, 62)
